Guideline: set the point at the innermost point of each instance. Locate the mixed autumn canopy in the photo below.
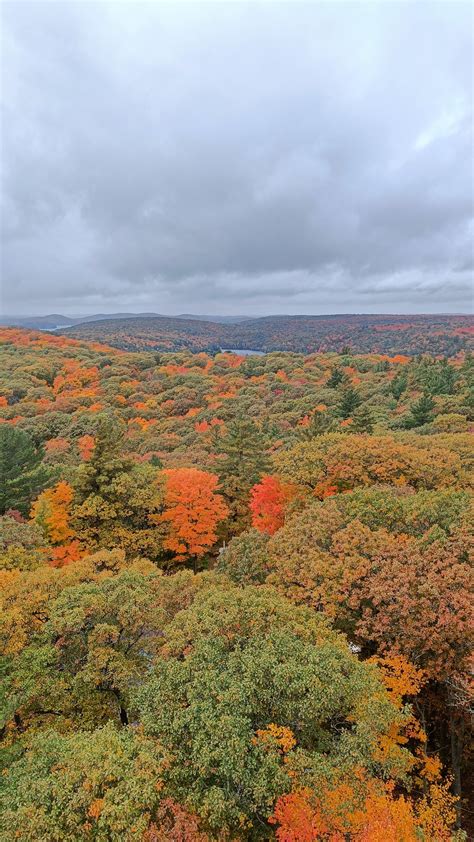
(235, 594)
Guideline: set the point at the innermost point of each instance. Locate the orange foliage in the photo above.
(66, 554)
(57, 445)
(202, 426)
(400, 677)
(173, 823)
(368, 812)
(268, 500)
(399, 359)
(283, 737)
(24, 337)
(52, 510)
(193, 509)
(205, 426)
(86, 446)
(75, 379)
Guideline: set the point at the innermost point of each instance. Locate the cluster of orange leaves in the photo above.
(276, 734)
(193, 509)
(269, 499)
(52, 512)
(86, 446)
(364, 812)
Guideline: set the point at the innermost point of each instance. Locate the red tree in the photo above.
(268, 501)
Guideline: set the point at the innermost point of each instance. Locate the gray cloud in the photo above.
(237, 157)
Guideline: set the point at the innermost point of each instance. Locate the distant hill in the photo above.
(444, 334)
(55, 321)
(50, 322)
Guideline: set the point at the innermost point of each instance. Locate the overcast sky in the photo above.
(237, 158)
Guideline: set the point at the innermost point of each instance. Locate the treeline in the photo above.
(411, 335)
(235, 595)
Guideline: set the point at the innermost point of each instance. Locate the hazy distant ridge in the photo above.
(55, 320)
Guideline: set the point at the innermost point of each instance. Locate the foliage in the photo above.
(245, 559)
(242, 466)
(397, 335)
(21, 470)
(421, 412)
(268, 501)
(92, 785)
(224, 710)
(20, 544)
(314, 681)
(116, 498)
(340, 463)
(192, 510)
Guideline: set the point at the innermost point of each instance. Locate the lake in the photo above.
(244, 352)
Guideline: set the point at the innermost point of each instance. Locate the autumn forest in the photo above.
(236, 590)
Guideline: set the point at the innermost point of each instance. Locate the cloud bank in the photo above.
(237, 158)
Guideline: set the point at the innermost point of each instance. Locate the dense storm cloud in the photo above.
(227, 158)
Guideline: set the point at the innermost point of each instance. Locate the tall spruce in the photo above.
(22, 474)
(350, 400)
(337, 377)
(243, 463)
(421, 412)
(363, 421)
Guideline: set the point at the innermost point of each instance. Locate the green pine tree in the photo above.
(349, 402)
(243, 464)
(421, 412)
(115, 498)
(363, 421)
(399, 385)
(321, 422)
(337, 377)
(107, 461)
(22, 474)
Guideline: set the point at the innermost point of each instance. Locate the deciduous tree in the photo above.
(193, 509)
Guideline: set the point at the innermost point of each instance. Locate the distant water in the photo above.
(58, 327)
(244, 352)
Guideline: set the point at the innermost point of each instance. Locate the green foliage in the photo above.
(98, 640)
(362, 420)
(421, 412)
(238, 677)
(399, 385)
(20, 544)
(435, 377)
(243, 462)
(337, 377)
(98, 785)
(245, 559)
(22, 474)
(400, 510)
(320, 423)
(115, 497)
(350, 400)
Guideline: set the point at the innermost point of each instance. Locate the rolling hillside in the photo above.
(445, 334)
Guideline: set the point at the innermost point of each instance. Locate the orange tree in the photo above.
(193, 508)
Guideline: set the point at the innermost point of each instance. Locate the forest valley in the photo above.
(235, 594)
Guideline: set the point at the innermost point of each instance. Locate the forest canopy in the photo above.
(236, 592)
